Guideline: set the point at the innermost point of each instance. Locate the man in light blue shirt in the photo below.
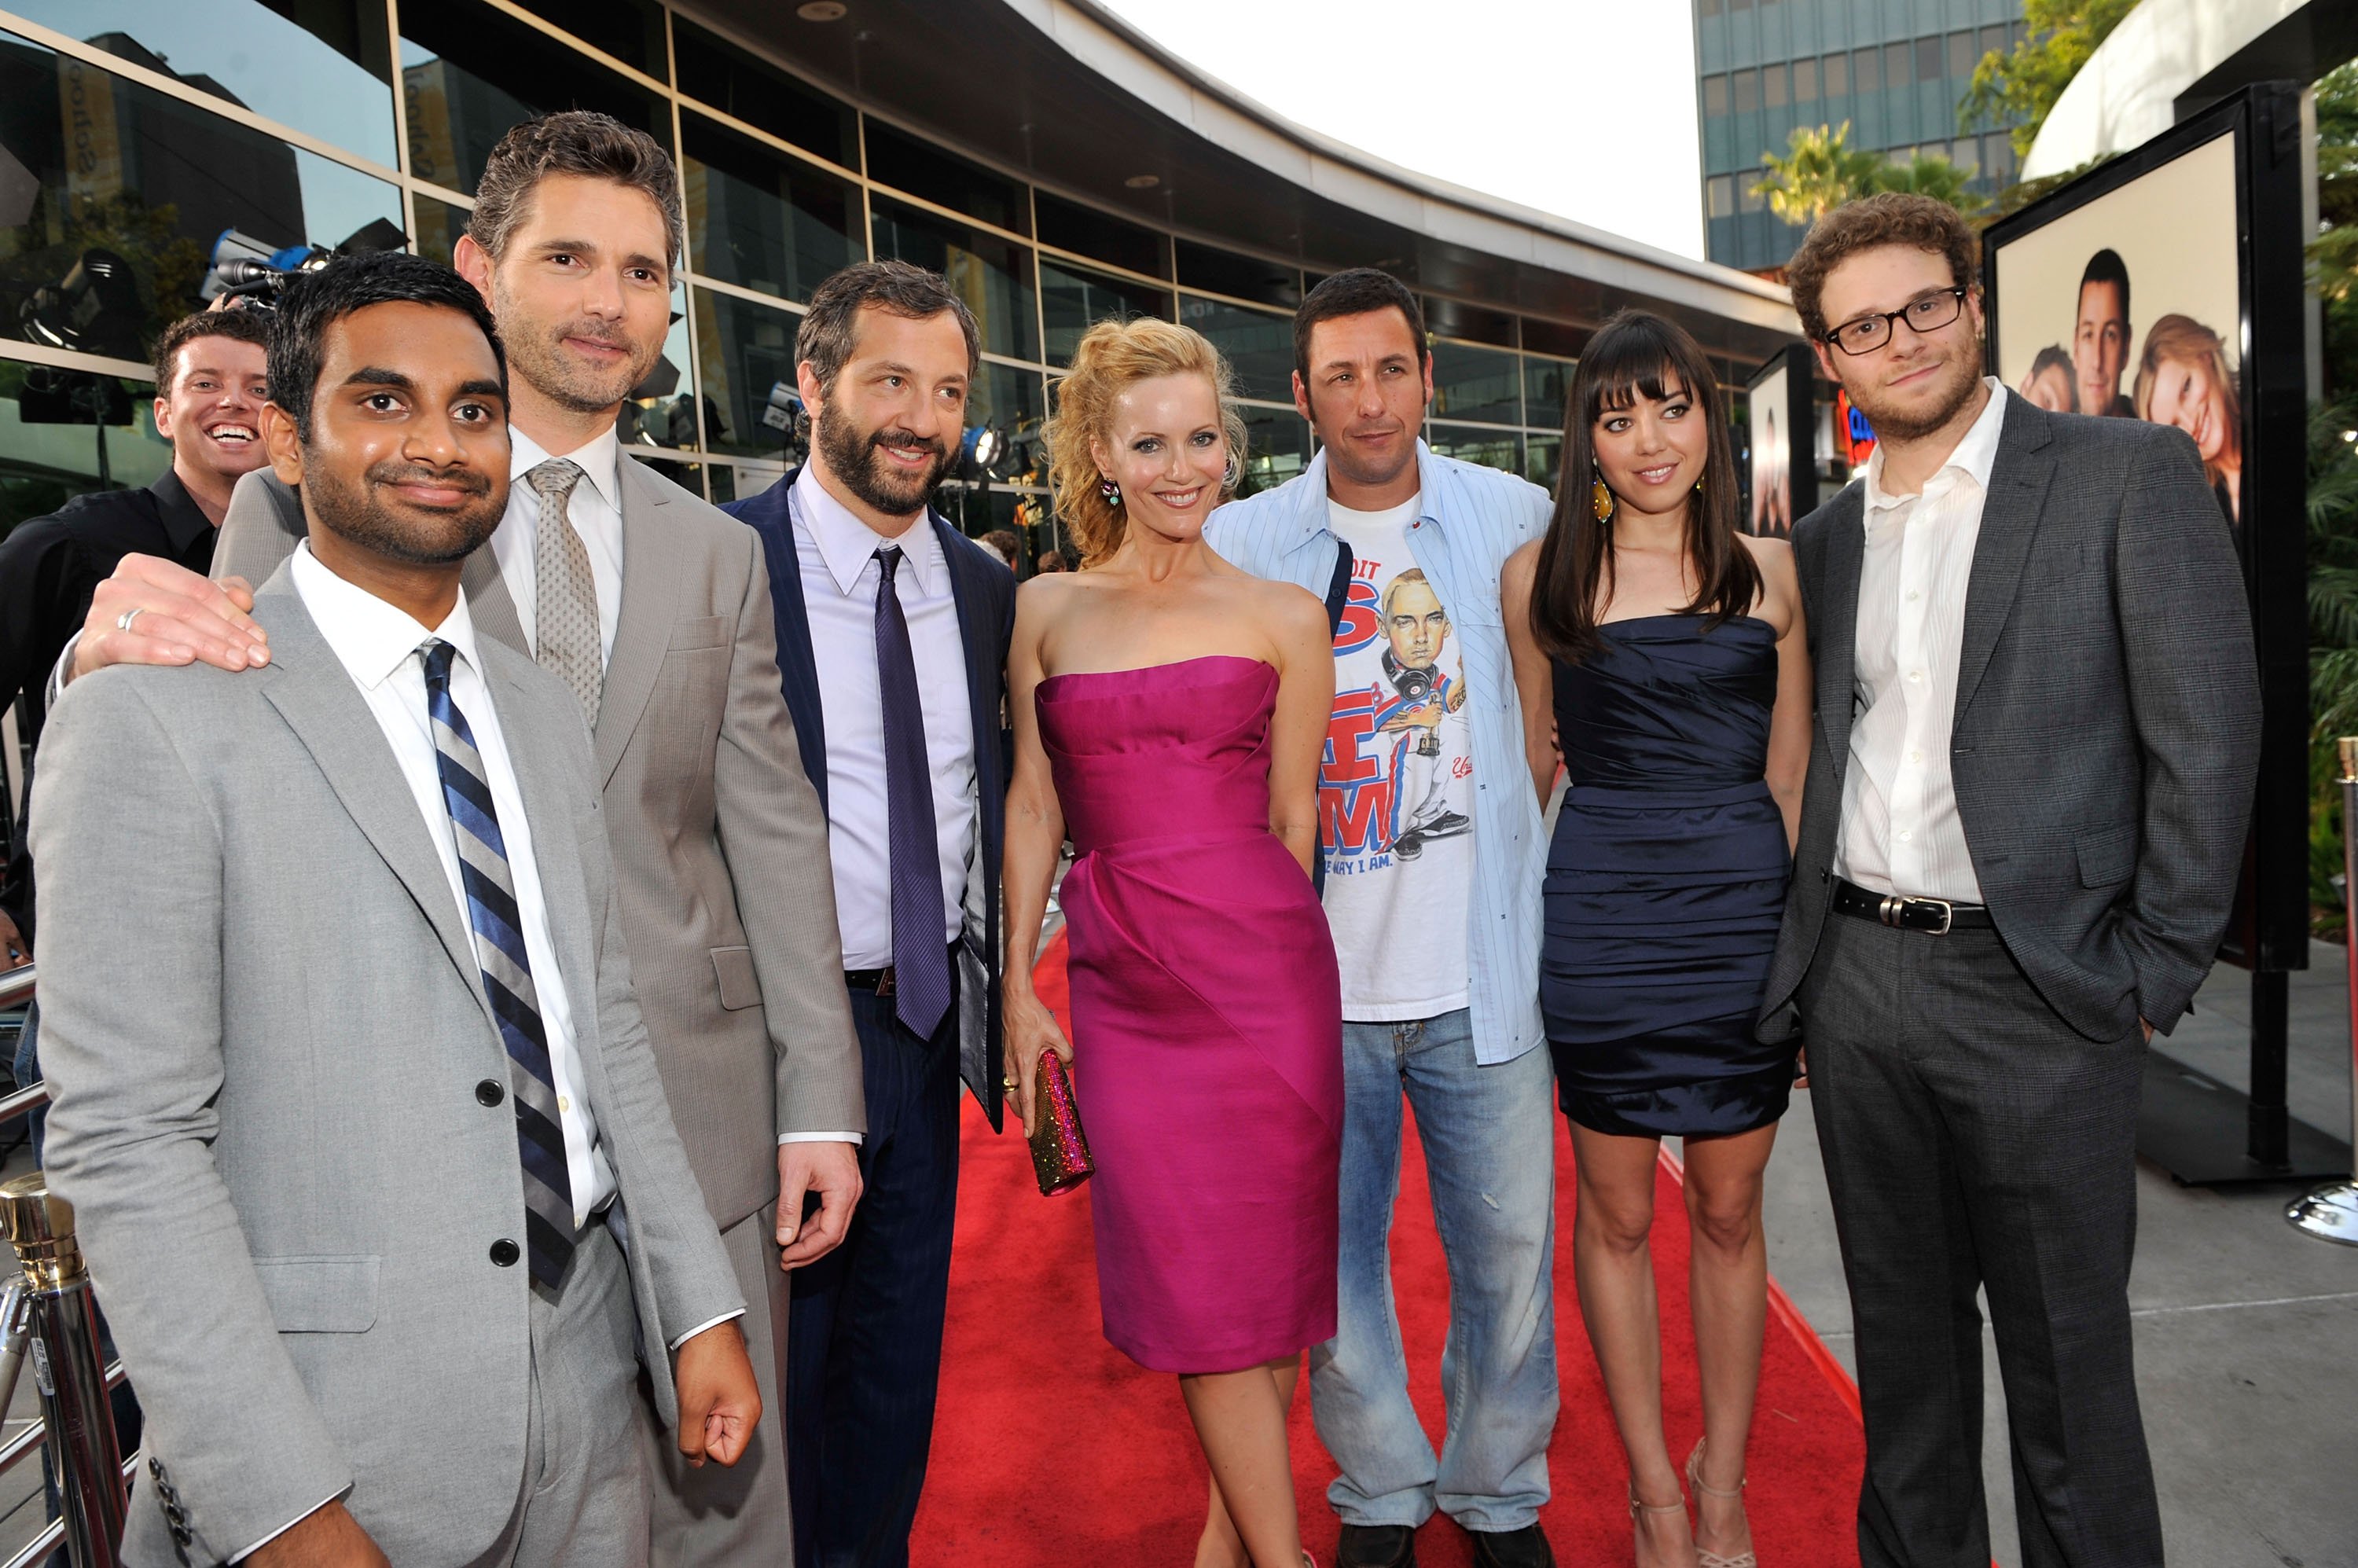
(1433, 856)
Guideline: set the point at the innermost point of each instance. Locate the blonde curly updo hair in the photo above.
(1114, 356)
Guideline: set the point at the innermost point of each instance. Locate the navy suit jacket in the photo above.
(984, 591)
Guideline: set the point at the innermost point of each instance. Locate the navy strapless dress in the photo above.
(1666, 881)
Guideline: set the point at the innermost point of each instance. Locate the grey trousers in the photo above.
(712, 1516)
(585, 1487)
(1974, 1140)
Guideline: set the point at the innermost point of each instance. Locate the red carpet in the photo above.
(1052, 1448)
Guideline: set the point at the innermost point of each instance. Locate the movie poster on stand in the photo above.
(1781, 399)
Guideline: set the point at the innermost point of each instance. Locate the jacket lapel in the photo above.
(488, 603)
(642, 630)
(797, 664)
(2018, 491)
(311, 690)
(1836, 620)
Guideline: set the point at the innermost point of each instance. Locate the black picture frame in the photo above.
(1797, 419)
(2268, 932)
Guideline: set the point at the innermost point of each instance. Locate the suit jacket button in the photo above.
(155, 1467)
(181, 1537)
(490, 1091)
(504, 1253)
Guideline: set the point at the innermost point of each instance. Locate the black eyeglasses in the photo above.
(1926, 313)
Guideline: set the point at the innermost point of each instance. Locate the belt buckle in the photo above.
(1948, 914)
(884, 980)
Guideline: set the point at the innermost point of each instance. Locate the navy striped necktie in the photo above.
(507, 972)
(921, 953)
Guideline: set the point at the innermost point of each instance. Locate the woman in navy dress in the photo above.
(1665, 652)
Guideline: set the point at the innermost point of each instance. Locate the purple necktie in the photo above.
(921, 960)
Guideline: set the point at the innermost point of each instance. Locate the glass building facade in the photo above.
(132, 132)
(1894, 69)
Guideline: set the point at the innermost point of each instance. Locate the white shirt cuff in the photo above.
(850, 1138)
(58, 674)
(323, 1502)
(700, 1327)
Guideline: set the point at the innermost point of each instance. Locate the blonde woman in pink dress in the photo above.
(1169, 714)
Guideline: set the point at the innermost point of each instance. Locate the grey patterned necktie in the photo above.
(564, 642)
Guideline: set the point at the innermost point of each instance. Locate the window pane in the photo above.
(992, 275)
(468, 73)
(1714, 8)
(1748, 198)
(1895, 65)
(1720, 192)
(1545, 382)
(1072, 301)
(1011, 401)
(1961, 55)
(63, 434)
(1542, 456)
(118, 229)
(974, 512)
(1477, 383)
(1501, 449)
(1991, 41)
(1965, 153)
(1554, 338)
(1928, 59)
(1247, 278)
(1805, 82)
(1837, 75)
(1477, 323)
(661, 410)
(741, 481)
(440, 224)
(1772, 86)
(630, 30)
(1258, 345)
(749, 89)
(1277, 448)
(741, 350)
(907, 164)
(1714, 96)
(1747, 91)
(328, 73)
(1087, 232)
(759, 218)
(1867, 67)
(1997, 156)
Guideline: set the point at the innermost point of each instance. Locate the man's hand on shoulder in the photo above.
(328, 1538)
(176, 618)
(830, 1171)
(719, 1400)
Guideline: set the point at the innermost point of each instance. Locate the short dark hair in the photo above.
(1355, 291)
(1889, 218)
(2106, 267)
(577, 142)
(315, 301)
(238, 323)
(831, 326)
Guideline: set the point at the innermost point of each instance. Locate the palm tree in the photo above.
(1934, 175)
(1819, 172)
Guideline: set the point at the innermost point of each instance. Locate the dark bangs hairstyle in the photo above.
(1637, 354)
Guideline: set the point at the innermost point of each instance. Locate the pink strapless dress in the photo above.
(1208, 1030)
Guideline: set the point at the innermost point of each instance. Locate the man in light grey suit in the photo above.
(315, 927)
(654, 607)
(2036, 734)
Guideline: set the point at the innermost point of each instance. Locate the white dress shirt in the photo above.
(1899, 831)
(840, 576)
(378, 646)
(595, 508)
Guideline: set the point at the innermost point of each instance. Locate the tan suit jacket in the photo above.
(720, 842)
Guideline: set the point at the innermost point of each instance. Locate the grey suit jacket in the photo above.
(2107, 725)
(718, 837)
(263, 1025)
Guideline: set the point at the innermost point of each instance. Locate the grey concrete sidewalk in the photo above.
(2246, 1331)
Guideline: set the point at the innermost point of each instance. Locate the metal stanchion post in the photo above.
(2329, 1212)
(64, 1349)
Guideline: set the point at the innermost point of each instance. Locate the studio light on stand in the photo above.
(2330, 1212)
(783, 414)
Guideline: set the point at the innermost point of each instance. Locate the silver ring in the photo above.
(123, 621)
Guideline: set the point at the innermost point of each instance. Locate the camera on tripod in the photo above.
(248, 271)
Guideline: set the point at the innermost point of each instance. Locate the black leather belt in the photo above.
(876, 980)
(1933, 917)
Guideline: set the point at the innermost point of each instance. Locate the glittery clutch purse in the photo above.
(1060, 1150)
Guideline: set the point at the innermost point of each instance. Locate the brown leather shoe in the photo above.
(1376, 1546)
(1524, 1548)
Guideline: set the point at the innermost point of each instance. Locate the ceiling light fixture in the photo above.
(821, 10)
(1143, 181)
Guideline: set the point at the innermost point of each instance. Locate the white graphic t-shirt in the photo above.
(1396, 784)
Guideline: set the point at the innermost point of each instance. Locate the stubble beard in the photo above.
(536, 354)
(1891, 424)
(354, 515)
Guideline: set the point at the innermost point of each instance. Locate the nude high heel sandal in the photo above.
(1636, 1508)
(1694, 1483)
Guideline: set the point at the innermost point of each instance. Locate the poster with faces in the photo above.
(1772, 453)
(2130, 307)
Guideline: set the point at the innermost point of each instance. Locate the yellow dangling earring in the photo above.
(1600, 500)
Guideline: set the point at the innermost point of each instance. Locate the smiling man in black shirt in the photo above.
(210, 389)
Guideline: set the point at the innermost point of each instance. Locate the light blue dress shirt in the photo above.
(1473, 519)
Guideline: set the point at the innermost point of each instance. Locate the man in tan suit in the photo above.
(655, 609)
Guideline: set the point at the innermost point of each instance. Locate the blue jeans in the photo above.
(1490, 1147)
